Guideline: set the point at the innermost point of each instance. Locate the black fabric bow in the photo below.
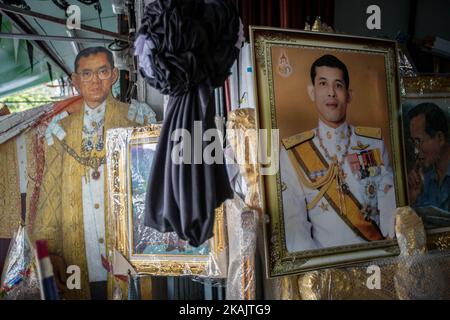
(193, 47)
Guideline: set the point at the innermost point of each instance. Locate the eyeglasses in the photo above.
(102, 73)
(417, 142)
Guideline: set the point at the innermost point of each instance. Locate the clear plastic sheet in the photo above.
(403, 277)
(242, 211)
(129, 156)
(242, 155)
(406, 70)
(242, 226)
(405, 66)
(20, 279)
(413, 275)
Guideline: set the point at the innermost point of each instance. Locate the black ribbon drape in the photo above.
(193, 46)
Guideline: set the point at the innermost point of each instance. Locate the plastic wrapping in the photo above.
(402, 277)
(130, 153)
(410, 232)
(242, 226)
(242, 156)
(405, 66)
(20, 279)
(414, 274)
(242, 211)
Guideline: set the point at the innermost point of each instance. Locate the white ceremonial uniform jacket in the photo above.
(321, 226)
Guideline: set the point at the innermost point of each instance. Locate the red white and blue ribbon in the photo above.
(48, 284)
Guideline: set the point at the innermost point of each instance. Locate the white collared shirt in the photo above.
(93, 205)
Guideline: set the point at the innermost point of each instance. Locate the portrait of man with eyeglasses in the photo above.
(71, 211)
(429, 177)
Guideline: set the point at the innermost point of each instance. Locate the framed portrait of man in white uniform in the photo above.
(333, 101)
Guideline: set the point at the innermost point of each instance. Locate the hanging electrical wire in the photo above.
(19, 3)
(88, 2)
(62, 4)
(98, 7)
(118, 45)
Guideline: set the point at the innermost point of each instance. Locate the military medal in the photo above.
(370, 200)
(360, 146)
(341, 180)
(87, 145)
(92, 146)
(324, 206)
(371, 189)
(99, 146)
(95, 175)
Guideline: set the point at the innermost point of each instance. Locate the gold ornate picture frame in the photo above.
(431, 88)
(129, 157)
(282, 60)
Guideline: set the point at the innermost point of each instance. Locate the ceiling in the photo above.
(16, 71)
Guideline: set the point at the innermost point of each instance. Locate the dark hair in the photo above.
(435, 118)
(94, 50)
(330, 61)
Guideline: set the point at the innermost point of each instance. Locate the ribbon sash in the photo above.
(307, 157)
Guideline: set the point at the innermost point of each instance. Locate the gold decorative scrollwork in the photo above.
(439, 241)
(427, 84)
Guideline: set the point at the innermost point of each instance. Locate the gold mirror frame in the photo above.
(214, 264)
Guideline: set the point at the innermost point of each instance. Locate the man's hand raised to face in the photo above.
(415, 185)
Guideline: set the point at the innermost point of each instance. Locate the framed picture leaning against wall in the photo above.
(334, 102)
(130, 154)
(426, 123)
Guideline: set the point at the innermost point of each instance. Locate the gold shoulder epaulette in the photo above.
(368, 132)
(294, 140)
